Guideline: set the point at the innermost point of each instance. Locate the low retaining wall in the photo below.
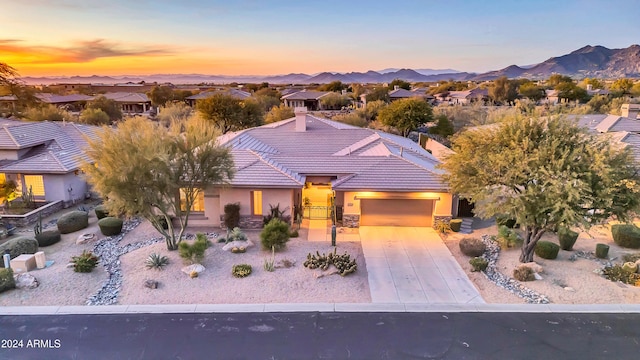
(32, 216)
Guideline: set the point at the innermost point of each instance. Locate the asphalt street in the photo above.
(319, 335)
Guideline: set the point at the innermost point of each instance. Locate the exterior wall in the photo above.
(443, 206)
(13, 154)
(56, 187)
(212, 210)
(283, 197)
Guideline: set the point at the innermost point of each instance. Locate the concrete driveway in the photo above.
(413, 265)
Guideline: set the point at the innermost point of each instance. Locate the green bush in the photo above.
(626, 235)
(234, 235)
(455, 224)
(619, 273)
(631, 257)
(18, 246)
(479, 263)
(547, 250)
(48, 237)
(602, 250)
(504, 220)
(6, 280)
(232, 215)
(85, 263)
(442, 226)
(73, 221)
(524, 273)
(241, 270)
(508, 237)
(275, 235)
(294, 234)
(567, 238)
(101, 211)
(472, 247)
(193, 253)
(110, 226)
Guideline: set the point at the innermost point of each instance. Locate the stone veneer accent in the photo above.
(351, 220)
(251, 222)
(31, 217)
(446, 218)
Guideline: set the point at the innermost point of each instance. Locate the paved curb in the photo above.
(318, 307)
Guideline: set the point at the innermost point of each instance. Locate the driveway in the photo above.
(413, 265)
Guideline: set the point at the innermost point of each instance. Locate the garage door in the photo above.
(395, 212)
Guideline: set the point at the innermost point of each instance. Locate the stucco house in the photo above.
(45, 157)
(306, 163)
(130, 103)
(305, 98)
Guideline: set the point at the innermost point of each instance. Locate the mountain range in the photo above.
(589, 61)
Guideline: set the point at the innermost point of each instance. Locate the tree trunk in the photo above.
(533, 234)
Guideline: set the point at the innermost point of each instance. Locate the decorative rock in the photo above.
(41, 260)
(151, 284)
(568, 288)
(85, 238)
(246, 244)
(70, 265)
(25, 281)
(197, 268)
(537, 276)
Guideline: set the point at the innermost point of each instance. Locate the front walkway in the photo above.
(413, 265)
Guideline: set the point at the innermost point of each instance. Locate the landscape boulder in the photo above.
(85, 238)
(238, 244)
(197, 268)
(25, 281)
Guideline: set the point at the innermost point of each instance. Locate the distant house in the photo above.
(551, 97)
(305, 98)
(130, 103)
(45, 157)
(234, 93)
(399, 93)
(69, 102)
(463, 97)
(307, 164)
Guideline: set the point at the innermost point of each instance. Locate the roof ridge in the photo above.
(277, 166)
(6, 129)
(55, 157)
(433, 171)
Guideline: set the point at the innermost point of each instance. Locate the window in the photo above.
(256, 203)
(35, 183)
(198, 204)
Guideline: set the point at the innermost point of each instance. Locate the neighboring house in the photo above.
(373, 178)
(45, 157)
(130, 103)
(234, 93)
(69, 102)
(399, 93)
(8, 103)
(551, 97)
(463, 97)
(305, 98)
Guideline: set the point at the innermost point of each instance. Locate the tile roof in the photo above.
(276, 155)
(53, 147)
(306, 95)
(613, 123)
(401, 93)
(60, 99)
(235, 93)
(125, 97)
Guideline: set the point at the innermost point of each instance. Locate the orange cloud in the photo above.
(15, 52)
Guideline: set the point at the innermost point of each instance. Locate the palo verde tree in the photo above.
(141, 167)
(230, 114)
(405, 115)
(544, 172)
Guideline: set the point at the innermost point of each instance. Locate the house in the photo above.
(70, 102)
(234, 93)
(305, 98)
(45, 157)
(399, 93)
(464, 97)
(307, 163)
(130, 103)
(551, 97)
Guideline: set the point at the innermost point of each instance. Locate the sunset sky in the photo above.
(259, 37)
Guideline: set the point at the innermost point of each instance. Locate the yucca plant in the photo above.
(269, 264)
(156, 261)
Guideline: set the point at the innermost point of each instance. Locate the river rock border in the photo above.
(504, 281)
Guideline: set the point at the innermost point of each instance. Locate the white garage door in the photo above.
(396, 212)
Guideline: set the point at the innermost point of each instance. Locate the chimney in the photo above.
(396, 87)
(630, 110)
(301, 118)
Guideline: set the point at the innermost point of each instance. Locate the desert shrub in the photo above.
(232, 215)
(234, 235)
(626, 235)
(442, 226)
(156, 261)
(294, 233)
(504, 220)
(110, 226)
(508, 237)
(101, 211)
(241, 270)
(193, 253)
(631, 257)
(275, 235)
(619, 273)
(567, 238)
(472, 247)
(276, 213)
(455, 224)
(602, 250)
(479, 263)
(18, 246)
(524, 273)
(48, 237)
(547, 250)
(85, 263)
(6, 280)
(73, 221)
(343, 263)
(269, 264)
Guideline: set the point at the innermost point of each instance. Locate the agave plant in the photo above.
(156, 261)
